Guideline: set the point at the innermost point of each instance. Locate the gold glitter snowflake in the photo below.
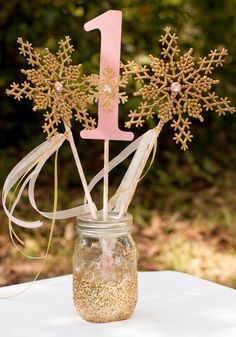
(177, 87)
(54, 85)
(107, 87)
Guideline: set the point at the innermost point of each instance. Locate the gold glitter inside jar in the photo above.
(105, 269)
(105, 301)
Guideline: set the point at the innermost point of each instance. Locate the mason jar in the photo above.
(104, 268)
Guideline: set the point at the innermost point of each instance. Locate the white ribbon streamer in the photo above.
(44, 150)
(123, 190)
(37, 158)
(134, 172)
(65, 214)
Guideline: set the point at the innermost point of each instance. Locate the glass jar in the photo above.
(105, 268)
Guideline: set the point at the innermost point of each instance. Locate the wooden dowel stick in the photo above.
(106, 180)
(92, 206)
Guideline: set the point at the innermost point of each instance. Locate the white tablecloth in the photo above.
(170, 304)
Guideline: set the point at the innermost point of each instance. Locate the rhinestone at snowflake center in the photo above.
(175, 87)
(58, 86)
(107, 88)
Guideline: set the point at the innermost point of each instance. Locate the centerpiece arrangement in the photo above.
(172, 89)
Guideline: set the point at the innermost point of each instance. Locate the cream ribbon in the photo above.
(34, 160)
(29, 168)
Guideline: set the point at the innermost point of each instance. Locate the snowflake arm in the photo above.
(82, 116)
(33, 58)
(145, 112)
(214, 60)
(64, 51)
(131, 68)
(219, 104)
(20, 91)
(169, 44)
(51, 123)
(182, 133)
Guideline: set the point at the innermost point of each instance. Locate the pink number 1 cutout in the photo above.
(109, 24)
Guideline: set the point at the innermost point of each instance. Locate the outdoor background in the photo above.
(184, 209)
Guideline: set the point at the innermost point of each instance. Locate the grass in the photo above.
(199, 247)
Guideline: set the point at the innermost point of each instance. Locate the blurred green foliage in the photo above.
(202, 25)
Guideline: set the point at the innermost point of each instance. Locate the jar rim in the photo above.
(113, 224)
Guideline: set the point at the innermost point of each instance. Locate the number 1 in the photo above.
(109, 25)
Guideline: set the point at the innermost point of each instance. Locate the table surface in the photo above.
(170, 304)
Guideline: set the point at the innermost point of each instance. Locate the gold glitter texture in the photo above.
(54, 85)
(176, 87)
(104, 301)
(107, 88)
